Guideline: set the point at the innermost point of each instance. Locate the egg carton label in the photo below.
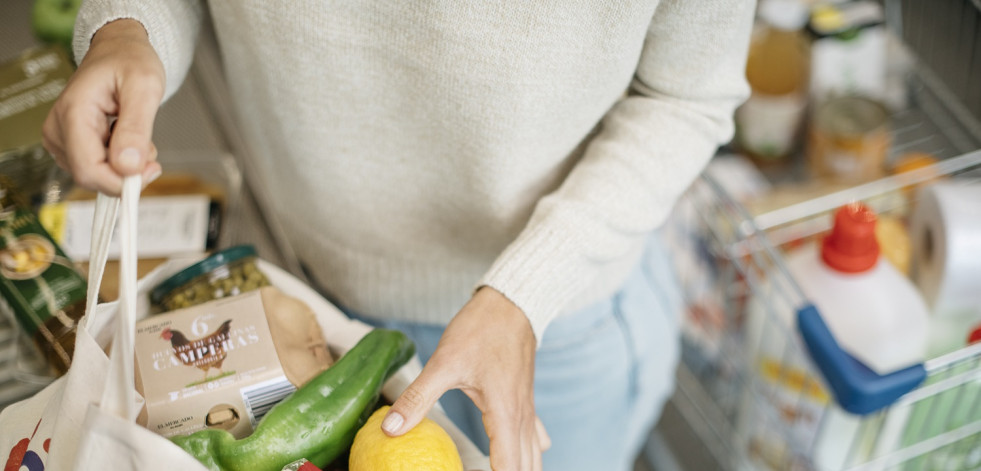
(212, 365)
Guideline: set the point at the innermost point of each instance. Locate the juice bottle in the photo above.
(38, 282)
(777, 70)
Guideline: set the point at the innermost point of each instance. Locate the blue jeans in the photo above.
(602, 374)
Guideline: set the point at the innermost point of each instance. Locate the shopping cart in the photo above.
(812, 406)
(924, 417)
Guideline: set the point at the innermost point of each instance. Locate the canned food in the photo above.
(229, 272)
(849, 139)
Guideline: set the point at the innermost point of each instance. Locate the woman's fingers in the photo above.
(508, 449)
(528, 441)
(51, 140)
(544, 441)
(120, 78)
(130, 146)
(84, 150)
(536, 454)
(417, 400)
(488, 352)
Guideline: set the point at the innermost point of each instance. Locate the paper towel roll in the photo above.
(946, 233)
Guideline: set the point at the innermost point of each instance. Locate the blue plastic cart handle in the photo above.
(857, 388)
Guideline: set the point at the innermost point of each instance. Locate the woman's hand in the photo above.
(121, 76)
(488, 352)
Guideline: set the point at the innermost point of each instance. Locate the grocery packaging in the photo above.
(946, 234)
(957, 408)
(894, 242)
(848, 52)
(768, 123)
(319, 421)
(946, 227)
(29, 85)
(38, 282)
(848, 139)
(225, 363)
(169, 225)
(874, 312)
(179, 214)
(228, 272)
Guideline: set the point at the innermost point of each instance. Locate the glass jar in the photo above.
(225, 273)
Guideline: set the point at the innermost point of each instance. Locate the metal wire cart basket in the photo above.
(809, 405)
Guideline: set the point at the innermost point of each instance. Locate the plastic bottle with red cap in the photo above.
(875, 313)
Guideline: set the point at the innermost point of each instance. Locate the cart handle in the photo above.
(856, 387)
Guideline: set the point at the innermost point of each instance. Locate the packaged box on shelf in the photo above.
(29, 86)
(182, 213)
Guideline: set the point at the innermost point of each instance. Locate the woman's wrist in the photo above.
(126, 29)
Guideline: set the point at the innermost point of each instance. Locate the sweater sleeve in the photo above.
(650, 146)
(172, 26)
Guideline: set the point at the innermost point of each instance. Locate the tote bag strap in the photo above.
(103, 223)
(118, 396)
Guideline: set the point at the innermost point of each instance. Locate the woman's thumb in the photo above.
(128, 161)
(130, 146)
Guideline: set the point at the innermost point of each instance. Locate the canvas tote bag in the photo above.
(85, 420)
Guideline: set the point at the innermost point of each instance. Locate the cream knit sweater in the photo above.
(418, 149)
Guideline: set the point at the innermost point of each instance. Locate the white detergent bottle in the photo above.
(875, 313)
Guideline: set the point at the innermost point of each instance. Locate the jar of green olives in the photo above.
(229, 272)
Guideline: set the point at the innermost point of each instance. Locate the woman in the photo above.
(483, 175)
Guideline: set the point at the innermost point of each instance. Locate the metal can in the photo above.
(849, 139)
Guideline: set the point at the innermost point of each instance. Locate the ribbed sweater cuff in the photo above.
(172, 27)
(540, 272)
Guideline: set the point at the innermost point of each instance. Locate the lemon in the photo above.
(425, 447)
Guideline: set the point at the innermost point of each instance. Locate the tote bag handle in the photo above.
(118, 396)
(106, 209)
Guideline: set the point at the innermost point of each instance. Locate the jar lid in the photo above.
(215, 260)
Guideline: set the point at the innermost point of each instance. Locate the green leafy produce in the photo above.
(318, 421)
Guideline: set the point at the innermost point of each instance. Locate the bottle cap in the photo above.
(975, 336)
(851, 247)
(784, 14)
(826, 18)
